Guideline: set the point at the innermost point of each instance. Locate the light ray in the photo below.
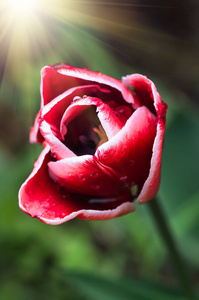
(21, 7)
(30, 29)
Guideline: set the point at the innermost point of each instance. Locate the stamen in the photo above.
(101, 134)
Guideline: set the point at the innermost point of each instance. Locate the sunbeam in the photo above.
(22, 7)
(32, 30)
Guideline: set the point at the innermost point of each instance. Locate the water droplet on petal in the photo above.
(94, 174)
(81, 178)
(53, 154)
(47, 205)
(124, 110)
(123, 151)
(123, 178)
(85, 96)
(95, 186)
(76, 98)
(131, 162)
(104, 155)
(61, 214)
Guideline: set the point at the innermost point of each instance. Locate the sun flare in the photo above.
(22, 7)
(31, 30)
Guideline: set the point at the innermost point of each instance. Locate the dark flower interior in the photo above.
(84, 133)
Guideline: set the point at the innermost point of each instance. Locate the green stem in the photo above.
(169, 241)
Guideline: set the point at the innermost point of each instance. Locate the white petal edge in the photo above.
(90, 214)
(100, 78)
(33, 133)
(152, 183)
(110, 128)
(127, 81)
(68, 93)
(36, 168)
(56, 145)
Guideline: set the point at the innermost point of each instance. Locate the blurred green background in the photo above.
(123, 258)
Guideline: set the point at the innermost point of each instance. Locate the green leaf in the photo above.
(98, 288)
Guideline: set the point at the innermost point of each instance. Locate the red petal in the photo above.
(129, 152)
(83, 175)
(57, 79)
(53, 84)
(57, 147)
(35, 135)
(41, 197)
(122, 209)
(143, 86)
(52, 112)
(152, 183)
(145, 92)
(108, 119)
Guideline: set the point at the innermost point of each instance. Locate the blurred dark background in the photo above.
(120, 258)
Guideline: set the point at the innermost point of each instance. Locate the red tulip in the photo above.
(102, 142)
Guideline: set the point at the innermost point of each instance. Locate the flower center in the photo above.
(85, 133)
